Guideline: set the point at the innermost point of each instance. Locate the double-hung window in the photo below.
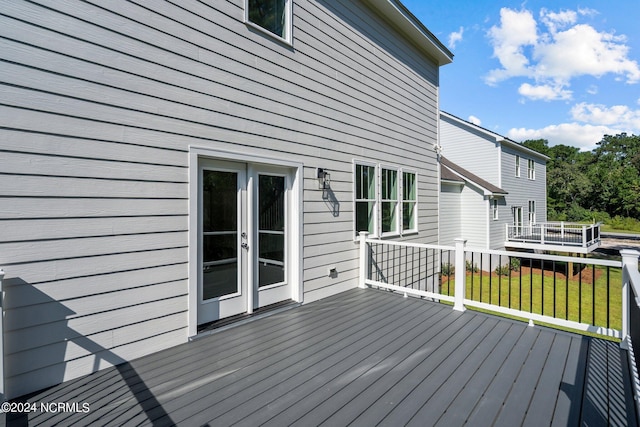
(366, 199)
(531, 169)
(272, 16)
(389, 201)
(494, 206)
(532, 212)
(517, 166)
(409, 202)
(385, 200)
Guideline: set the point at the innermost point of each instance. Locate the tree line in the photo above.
(602, 185)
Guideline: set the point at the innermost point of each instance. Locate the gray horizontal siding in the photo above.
(101, 102)
(470, 149)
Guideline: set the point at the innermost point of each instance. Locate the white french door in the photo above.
(517, 220)
(243, 238)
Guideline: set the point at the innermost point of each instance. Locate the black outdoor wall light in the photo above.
(324, 179)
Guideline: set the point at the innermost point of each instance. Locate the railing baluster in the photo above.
(509, 287)
(566, 294)
(530, 285)
(608, 297)
(593, 294)
(500, 281)
(554, 288)
(579, 292)
(542, 287)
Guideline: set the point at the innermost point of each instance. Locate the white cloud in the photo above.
(455, 37)
(592, 90)
(555, 20)
(583, 136)
(556, 51)
(544, 92)
(590, 123)
(620, 116)
(476, 121)
(517, 30)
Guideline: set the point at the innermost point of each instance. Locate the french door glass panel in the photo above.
(271, 229)
(220, 234)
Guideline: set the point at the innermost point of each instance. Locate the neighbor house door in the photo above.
(244, 238)
(517, 220)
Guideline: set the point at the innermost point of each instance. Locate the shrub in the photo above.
(502, 270)
(473, 268)
(448, 269)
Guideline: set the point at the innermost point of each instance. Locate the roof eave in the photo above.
(395, 12)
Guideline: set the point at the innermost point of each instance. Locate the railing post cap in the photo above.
(629, 253)
(460, 240)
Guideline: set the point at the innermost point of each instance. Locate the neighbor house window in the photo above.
(531, 169)
(273, 16)
(494, 207)
(518, 166)
(409, 202)
(389, 200)
(365, 192)
(532, 212)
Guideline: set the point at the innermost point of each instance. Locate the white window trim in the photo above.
(402, 201)
(532, 212)
(494, 208)
(377, 215)
(397, 230)
(288, 26)
(375, 227)
(531, 169)
(518, 166)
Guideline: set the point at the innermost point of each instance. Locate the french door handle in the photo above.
(245, 246)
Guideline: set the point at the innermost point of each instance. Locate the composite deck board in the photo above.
(569, 403)
(462, 404)
(363, 357)
(542, 404)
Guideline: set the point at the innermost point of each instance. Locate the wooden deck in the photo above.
(363, 358)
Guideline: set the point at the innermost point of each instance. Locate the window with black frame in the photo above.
(270, 15)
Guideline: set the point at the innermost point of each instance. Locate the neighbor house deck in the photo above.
(365, 357)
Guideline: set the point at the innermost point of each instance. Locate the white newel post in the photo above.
(629, 262)
(2, 386)
(461, 275)
(364, 259)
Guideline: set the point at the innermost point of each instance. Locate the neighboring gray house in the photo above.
(487, 183)
(170, 164)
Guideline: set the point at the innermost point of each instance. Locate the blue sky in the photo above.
(566, 71)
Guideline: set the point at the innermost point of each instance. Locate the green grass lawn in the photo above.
(578, 298)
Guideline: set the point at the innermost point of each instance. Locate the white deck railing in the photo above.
(555, 234)
(631, 319)
(582, 294)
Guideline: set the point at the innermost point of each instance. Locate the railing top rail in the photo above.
(576, 260)
(634, 276)
(411, 244)
(561, 258)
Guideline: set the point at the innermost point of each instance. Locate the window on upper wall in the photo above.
(391, 207)
(531, 169)
(272, 16)
(494, 207)
(532, 212)
(518, 166)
